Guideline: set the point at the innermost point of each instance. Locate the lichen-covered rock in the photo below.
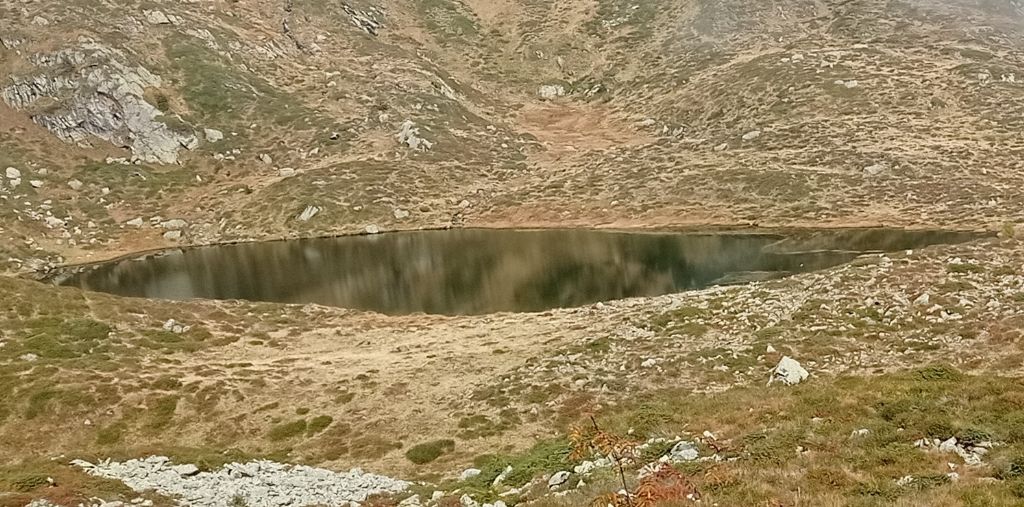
(92, 91)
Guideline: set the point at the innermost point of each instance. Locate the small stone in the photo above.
(187, 470)
(75, 185)
(559, 478)
(266, 159)
(213, 135)
(12, 173)
(36, 183)
(400, 214)
(372, 229)
(286, 172)
(769, 349)
(28, 357)
(175, 224)
(722, 147)
(863, 432)
(750, 136)
(922, 300)
(135, 222)
(684, 451)
(157, 18)
(469, 473)
(308, 213)
(172, 235)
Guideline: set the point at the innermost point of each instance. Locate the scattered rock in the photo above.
(469, 473)
(559, 478)
(722, 147)
(874, 169)
(502, 476)
(308, 213)
(372, 229)
(12, 173)
(683, 451)
(409, 136)
(266, 159)
(551, 91)
(401, 213)
(174, 224)
(75, 185)
(286, 172)
(28, 357)
(172, 235)
(769, 349)
(157, 18)
(135, 222)
(36, 183)
(176, 327)
(750, 136)
(213, 135)
(789, 372)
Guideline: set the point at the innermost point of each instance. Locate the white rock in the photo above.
(308, 213)
(922, 300)
(559, 478)
(286, 172)
(874, 169)
(467, 501)
(469, 473)
(502, 476)
(551, 91)
(75, 185)
(750, 136)
(157, 18)
(266, 159)
(135, 222)
(409, 135)
(172, 235)
(28, 357)
(769, 349)
(372, 229)
(213, 135)
(863, 432)
(36, 183)
(175, 224)
(789, 372)
(40, 21)
(400, 214)
(12, 173)
(722, 147)
(683, 451)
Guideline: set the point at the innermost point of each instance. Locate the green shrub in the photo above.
(429, 451)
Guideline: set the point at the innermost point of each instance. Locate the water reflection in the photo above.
(482, 271)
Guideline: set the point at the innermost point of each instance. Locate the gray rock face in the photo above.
(95, 92)
(257, 483)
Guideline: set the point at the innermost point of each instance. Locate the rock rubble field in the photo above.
(256, 483)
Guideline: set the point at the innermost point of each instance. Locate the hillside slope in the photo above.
(531, 113)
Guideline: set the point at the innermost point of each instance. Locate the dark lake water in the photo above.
(474, 271)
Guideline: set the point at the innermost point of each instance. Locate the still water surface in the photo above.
(475, 271)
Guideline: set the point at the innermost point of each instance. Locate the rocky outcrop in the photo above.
(257, 483)
(91, 91)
